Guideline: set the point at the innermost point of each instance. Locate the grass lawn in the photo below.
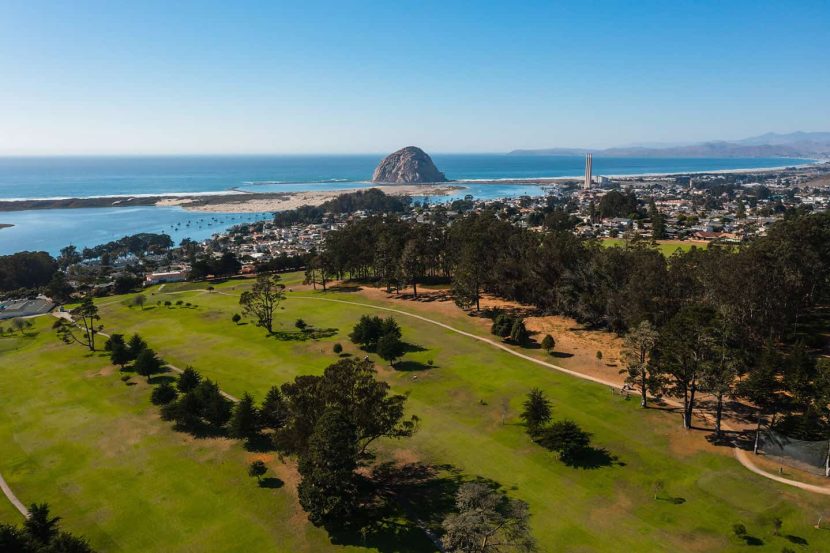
(666, 247)
(95, 449)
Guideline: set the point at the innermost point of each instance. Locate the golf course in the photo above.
(82, 435)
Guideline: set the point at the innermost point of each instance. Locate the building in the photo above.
(169, 276)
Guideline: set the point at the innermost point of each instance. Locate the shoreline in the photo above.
(283, 201)
(235, 200)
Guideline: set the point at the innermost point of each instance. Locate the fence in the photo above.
(812, 457)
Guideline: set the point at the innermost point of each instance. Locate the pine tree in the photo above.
(244, 422)
(537, 410)
(328, 490)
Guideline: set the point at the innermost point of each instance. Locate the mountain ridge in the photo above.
(795, 144)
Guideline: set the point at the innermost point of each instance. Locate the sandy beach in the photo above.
(256, 203)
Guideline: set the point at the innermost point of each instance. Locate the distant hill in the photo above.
(797, 144)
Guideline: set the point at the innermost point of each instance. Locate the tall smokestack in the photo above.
(588, 168)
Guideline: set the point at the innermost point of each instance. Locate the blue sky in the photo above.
(314, 77)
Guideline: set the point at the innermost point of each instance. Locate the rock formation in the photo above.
(407, 166)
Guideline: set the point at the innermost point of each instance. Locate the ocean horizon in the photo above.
(484, 177)
(50, 177)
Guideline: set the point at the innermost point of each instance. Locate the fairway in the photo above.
(666, 247)
(96, 450)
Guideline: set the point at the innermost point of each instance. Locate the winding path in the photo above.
(741, 455)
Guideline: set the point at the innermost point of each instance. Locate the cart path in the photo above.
(742, 456)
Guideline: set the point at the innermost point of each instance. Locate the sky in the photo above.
(159, 77)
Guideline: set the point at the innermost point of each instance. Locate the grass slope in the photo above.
(95, 448)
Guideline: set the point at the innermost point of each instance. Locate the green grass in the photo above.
(95, 448)
(666, 247)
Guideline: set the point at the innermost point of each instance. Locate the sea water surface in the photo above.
(61, 177)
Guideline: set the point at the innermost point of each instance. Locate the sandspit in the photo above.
(257, 203)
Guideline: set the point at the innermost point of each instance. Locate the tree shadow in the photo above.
(412, 348)
(403, 508)
(259, 443)
(561, 354)
(408, 366)
(591, 458)
(344, 288)
(798, 540)
(271, 483)
(752, 540)
(309, 333)
(162, 379)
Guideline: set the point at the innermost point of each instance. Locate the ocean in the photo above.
(61, 177)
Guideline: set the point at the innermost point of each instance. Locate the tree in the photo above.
(245, 422)
(685, 352)
(566, 438)
(390, 347)
(236, 318)
(274, 412)
(328, 489)
(658, 222)
(42, 527)
(163, 394)
(518, 332)
(537, 410)
(502, 325)
(257, 469)
(763, 388)
(119, 352)
(350, 385)
(369, 330)
(337, 349)
(20, 325)
(638, 346)
(262, 300)
(548, 343)
(139, 300)
(59, 288)
(301, 325)
(486, 522)
(135, 346)
(83, 325)
(188, 380)
(413, 263)
(147, 363)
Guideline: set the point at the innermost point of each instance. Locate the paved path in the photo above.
(742, 456)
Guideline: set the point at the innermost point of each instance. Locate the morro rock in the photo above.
(407, 166)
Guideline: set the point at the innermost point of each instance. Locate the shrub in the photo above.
(236, 318)
(300, 324)
(337, 348)
(548, 343)
(599, 355)
(566, 438)
(502, 325)
(180, 302)
(739, 529)
(163, 394)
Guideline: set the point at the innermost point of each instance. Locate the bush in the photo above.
(739, 530)
(502, 325)
(548, 343)
(300, 324)
(163, 394)
(337, 348)
(566, 438)
(180, 302)
(236, 318)
(518, 332)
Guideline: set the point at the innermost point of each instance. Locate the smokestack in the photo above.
(588, 168)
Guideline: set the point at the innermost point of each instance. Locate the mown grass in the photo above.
(102, 449)
(666, 247)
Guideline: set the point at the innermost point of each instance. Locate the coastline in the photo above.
(281, 201)
(235, 200)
